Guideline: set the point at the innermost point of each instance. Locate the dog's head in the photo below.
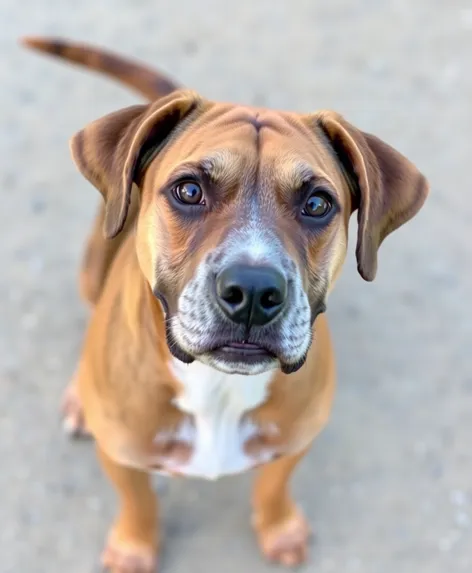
(243, 223)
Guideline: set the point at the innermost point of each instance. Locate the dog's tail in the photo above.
(148, 82)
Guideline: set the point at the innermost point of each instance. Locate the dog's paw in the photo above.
(73, 421)
(122, 557)
(285, 542)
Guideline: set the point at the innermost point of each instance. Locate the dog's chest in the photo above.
(216, 429)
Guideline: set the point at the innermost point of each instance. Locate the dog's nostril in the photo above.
(233, 295)
(271, 298)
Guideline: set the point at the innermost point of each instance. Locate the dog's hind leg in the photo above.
(98, 256)
(96, 261)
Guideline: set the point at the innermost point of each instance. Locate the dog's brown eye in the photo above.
(189, 193)
(318, 205)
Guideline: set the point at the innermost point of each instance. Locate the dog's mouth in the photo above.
(236, 356)
(242, 357)
(243, 351)
(245, 348)
(246, 357)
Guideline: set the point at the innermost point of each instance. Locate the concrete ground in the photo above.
(388, 486)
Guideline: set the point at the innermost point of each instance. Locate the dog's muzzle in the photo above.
(244, 311)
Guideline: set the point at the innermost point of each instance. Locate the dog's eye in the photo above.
(189, 193)
(318, 205)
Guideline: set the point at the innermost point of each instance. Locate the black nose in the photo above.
(251, 295)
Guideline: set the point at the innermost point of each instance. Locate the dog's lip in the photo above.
(244, 348)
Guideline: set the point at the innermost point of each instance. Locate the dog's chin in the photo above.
(248, 366)
(243, 365)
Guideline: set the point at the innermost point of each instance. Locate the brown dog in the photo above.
(225, 229)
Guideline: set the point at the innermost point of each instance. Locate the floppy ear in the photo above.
(110, 152)
(388, 189)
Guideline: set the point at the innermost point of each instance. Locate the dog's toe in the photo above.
(128, 558)
(286, 542)
(73, 421)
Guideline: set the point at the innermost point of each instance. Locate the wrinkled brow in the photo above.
(293, 174)
(222, 167)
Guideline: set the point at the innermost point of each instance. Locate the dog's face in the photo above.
(242, 229)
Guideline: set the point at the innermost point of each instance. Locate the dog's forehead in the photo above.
(252, 125)
(232, 141)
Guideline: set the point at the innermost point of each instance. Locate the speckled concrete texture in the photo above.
(388, 486)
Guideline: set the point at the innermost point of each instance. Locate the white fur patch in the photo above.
(217, 402)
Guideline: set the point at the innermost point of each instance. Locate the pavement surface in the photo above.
(388, 486)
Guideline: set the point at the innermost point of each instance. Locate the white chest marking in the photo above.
(217, 402)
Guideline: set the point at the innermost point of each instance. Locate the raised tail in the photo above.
(147, 82)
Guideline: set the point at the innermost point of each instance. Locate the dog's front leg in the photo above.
(133, 542)
(282, 531)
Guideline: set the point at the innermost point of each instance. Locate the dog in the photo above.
(222, 232)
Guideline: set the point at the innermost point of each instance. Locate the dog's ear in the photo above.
(388, 189)
(110, 152)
